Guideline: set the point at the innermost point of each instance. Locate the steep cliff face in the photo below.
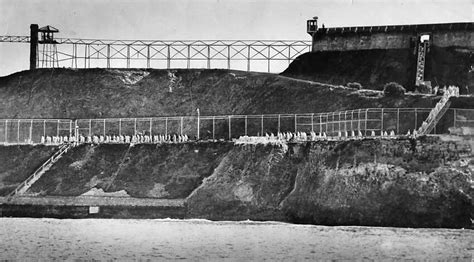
(249, 183)
(397, 187)
(371, 182)
(426, 182)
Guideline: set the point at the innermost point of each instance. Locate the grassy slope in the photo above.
(19, 162)
(95, 93)
(163, 171)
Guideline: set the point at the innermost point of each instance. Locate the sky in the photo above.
(207, 19)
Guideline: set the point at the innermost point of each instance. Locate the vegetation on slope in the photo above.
(98, 93)
(374, 68)
(154, 171)
(410, 183)
(18, 162)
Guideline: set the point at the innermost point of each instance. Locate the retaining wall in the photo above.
(393, 37)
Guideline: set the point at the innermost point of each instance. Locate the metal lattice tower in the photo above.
(48, 52)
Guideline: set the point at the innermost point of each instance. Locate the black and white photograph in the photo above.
(236, 130)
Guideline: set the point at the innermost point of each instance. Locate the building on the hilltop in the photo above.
(417, 37)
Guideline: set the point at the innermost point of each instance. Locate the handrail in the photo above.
(62, 149)
(438, 111)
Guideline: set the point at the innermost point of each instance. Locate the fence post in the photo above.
(230, 128)
(454, 118)
(279, 116)
(135, 127)
(245, 124)
(338, 122)
(312, 122)
(6, 131)
(416, 120)
(181, 127)
(320, 124)
(76, 131)
(261, 126)
(358, 120)
(332, 123)
(213, 128)
(327, 123)
(296, 128)
(352, 120)
(345, 121)
(57, 131)
(381, 125)
(198, 125)
(366, 117)
(104, 127)
(18, 131)
(90, 127)
(70, 128)
(166, 126)
(120, 126)
(31, 131)
(398, 121)
(151, 128)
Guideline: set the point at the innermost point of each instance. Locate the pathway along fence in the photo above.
(226, 127)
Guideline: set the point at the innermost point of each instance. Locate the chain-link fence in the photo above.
(226, 127)
(27, 131)
(463, 118)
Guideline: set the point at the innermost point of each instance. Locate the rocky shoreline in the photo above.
(372, 182)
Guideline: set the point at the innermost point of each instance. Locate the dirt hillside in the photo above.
(374, 68)
(97, 93)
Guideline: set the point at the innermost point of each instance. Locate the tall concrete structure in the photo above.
(33, 45)
(389, 36)
(417, 38)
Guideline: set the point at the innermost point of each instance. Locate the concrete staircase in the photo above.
(438, 111)
(25, 185)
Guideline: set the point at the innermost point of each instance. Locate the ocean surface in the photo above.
(169, 239)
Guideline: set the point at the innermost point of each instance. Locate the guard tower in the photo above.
(312, 27)
(48, 51)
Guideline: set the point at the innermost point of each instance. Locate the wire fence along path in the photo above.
(226, 127)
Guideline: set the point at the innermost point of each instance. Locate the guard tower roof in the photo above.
(48, 28)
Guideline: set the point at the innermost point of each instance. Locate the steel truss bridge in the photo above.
(250, 55)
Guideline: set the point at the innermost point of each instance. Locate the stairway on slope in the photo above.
(438, 111)
(25, 185)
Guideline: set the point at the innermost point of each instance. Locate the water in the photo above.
(169, 239)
